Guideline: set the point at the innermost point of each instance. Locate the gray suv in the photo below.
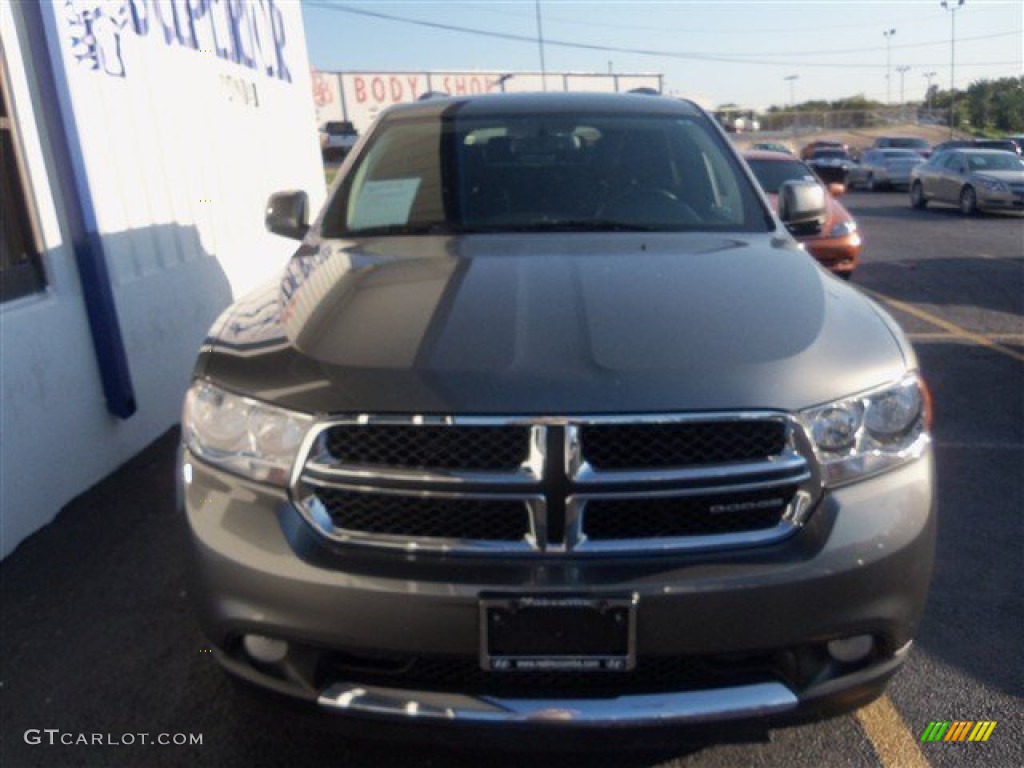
(550, 424)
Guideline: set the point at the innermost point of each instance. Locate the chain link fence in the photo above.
(800, 122)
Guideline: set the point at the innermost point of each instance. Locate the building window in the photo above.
(21, 270)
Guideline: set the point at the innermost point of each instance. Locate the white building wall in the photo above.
(181, 147)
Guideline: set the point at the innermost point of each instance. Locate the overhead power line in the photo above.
(787, 30)
(693, 56)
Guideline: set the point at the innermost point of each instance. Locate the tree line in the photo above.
(986, 105)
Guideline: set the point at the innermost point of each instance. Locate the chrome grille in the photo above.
(571, 486)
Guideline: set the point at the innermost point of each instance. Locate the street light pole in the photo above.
(928, 93)
(540, 43)
(792, 99)
(952, 60)
(791, 79)
(888, 65)
(903, 71)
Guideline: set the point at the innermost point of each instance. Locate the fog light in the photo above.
(265, 650)
(851, 649)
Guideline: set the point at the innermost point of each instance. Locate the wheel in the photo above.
(968, 201)
(917, 199)
(869, 183)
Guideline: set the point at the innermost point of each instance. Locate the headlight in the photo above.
(843, 228)
(242, 435)
(867, 434)
(993, 185)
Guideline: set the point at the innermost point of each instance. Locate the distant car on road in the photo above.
(973, 179)
(1007, 145)
(831, 165)
(770, 146)
(337, 137)
(914, 143)
(883, 169)
(814, 146)
(837, 243)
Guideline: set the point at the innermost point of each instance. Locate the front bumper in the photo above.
(1000, 201)
(861, 565)
(838, 254)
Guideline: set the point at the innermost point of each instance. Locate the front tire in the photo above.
(968, 201)
(917, 198)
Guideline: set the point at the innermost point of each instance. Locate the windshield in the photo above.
(900, 154)
(995, 161)
(544, 172)
(772, 173)
(909, 143)
(830, 153)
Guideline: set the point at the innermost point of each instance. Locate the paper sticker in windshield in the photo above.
(384, 203)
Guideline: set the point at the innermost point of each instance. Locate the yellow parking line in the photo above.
(1006, 338)
(889, 735)
(953, 329)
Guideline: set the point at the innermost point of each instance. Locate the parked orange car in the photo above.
(837, 246)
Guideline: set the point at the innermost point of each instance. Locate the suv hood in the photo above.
(557, 324)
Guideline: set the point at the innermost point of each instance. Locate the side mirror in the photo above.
(836, 190)
(802, 206)
(287, 214)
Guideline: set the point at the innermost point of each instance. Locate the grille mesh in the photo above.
(647, 446)
(651, 675)
(449, 447)
(654, 518)
(416, 516)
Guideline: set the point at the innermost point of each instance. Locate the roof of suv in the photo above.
(534, 103)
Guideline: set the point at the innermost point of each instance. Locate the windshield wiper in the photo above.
(432, 228)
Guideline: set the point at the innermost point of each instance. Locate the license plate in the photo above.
(534, 633)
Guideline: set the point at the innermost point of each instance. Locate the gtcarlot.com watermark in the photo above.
(55, 736)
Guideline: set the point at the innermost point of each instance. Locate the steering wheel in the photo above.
(647, 204)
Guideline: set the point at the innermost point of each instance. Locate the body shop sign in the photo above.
(381, 90)
(250, 34)
(366, 94)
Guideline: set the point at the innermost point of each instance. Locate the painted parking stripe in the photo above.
(889, 735)
(951, 328)
(1006, 338)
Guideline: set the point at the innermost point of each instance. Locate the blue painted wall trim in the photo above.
(79, 212)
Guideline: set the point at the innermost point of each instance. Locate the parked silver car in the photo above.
(971, 179)
(883, 168)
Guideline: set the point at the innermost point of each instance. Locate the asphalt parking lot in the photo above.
(98, 635)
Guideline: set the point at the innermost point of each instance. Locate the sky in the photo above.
(714, 51)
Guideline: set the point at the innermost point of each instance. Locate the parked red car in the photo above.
(837, 246)
(814, 146)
